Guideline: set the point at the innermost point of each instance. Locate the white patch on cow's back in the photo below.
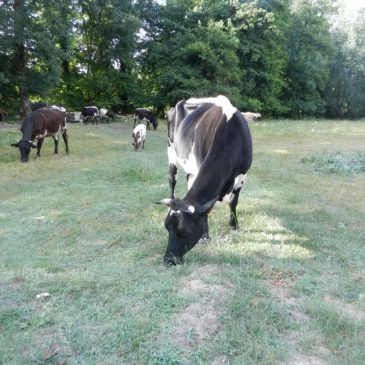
(238, 182)
(221, 101)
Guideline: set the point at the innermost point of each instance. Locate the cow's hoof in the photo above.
(233, 226)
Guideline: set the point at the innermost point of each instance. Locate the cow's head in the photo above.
(186, 223)
(24, 148)
(155, 124)
(137, 141)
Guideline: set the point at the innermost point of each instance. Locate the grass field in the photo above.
(288, 287)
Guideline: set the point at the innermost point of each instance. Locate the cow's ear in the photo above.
(207, 207)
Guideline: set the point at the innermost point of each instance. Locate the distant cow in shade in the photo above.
(106, 114)
(37, 105)
(251, 117)
(90, 113)
(142, 113)
(37, 125)
(210, 140)
(74, 117)
(58, 107)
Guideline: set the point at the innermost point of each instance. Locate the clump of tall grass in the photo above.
(339, 162)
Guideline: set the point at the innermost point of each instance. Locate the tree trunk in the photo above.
(20, 61)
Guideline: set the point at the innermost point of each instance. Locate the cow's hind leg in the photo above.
(65, 139)
(55, 140)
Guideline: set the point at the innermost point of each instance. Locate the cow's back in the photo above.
(41, 121)
(212, 145)
(191, 129)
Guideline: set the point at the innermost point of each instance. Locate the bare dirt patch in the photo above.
(307, 360)
(201, 319)
(6, 127)
(282, 293)
(345, 308)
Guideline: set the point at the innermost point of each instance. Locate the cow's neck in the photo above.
(207, 187)
(27, 130)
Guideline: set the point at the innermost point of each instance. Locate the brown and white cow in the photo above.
(37, 125)
(210, 140)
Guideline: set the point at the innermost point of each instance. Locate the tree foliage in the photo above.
(279, 57)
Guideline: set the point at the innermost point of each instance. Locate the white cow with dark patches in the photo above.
(210, 140)
(139, 136)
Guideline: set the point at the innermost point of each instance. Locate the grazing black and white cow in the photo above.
(143, 113)
(90, 113)
(210, 139)
(251, 117)
(37, 105)
(74, 117)
(106, 114)
(37, 125)
(139, 136)
(59, 107)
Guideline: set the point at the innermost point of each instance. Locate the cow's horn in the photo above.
(165, 201)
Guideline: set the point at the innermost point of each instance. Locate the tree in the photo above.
(104, 53)
(32, 30)
(262, 57)
(191, 53)
(310, 53)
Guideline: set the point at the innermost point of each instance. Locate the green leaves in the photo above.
(277, 57)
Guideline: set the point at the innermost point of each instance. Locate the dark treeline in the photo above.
(288, 58)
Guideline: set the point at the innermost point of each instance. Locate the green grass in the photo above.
(84, 229)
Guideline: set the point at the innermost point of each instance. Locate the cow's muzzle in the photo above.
(171, 260)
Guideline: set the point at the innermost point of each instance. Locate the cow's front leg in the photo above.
(171, 154)
(205, 237)
(39, 146)
(56, 140)
(172, 179)
(233, 223)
